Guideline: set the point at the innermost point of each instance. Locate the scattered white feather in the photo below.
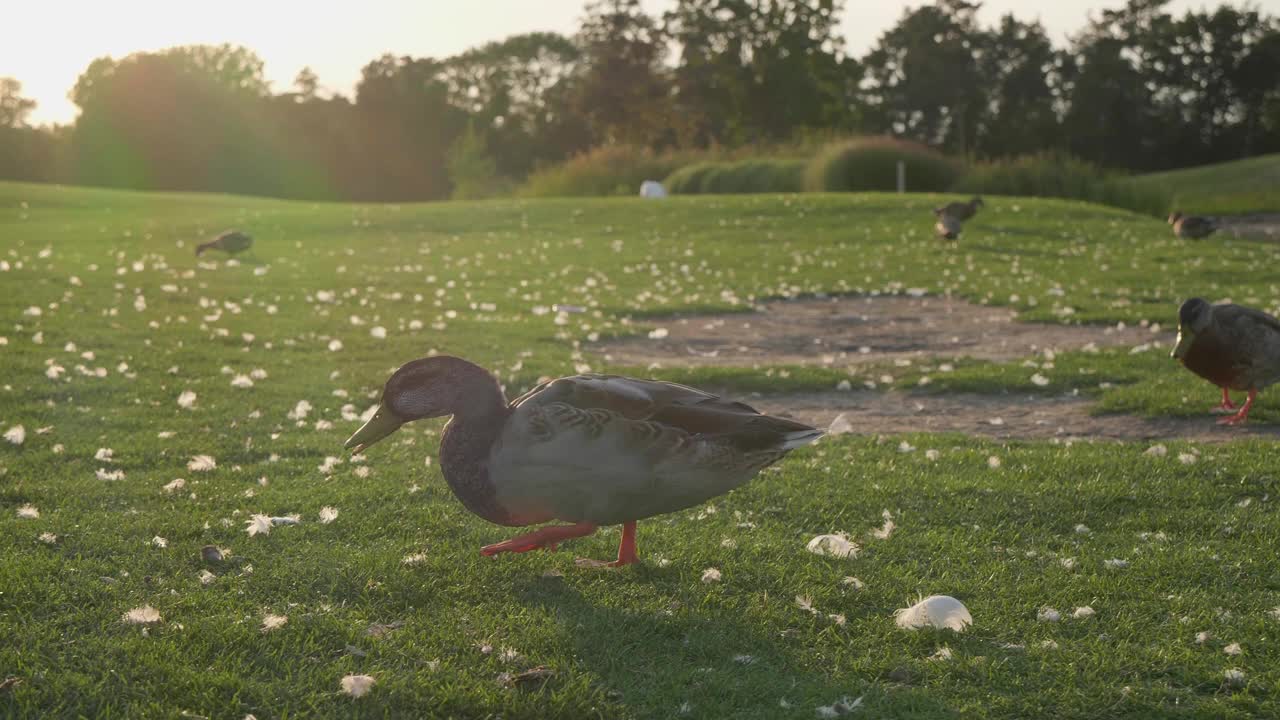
(1083, 613)
(1048, 614)
(16, 435)
(1274, 613)
(1203, 637)
(207, 577)
(1234, 677)
(853, 582)
(48, 538)
(201, 463)
(187, 399)
(28, 511)
(1232, 649)
(940, 611)
(335, 345)
(710, 575)
(884, 531)
(993, 462)
(833, 545)
(839, 707)
(414, 559)
(805, 603)
(273, 622)
(144, 615)
(1187, 458)
(1156, 451)
(159, 542)
(1083, 529)
(104, 474)
(943, 653)
(328, 514)
(932, 454)
(294, 519)
(1116, 564)
(1039, 380)
(357, 685)
(104, 455)
(175, 485)
(299, 411)
(241, 381)
(258, 523)
(377, 332)
(840, 425)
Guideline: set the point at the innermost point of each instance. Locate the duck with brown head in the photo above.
(589, 450)
(1231, 346)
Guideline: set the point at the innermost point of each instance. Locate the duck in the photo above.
(960, 210)
(1231, 346)
(230, 242)
(1193, 227)
(948, 226)
(587, 450)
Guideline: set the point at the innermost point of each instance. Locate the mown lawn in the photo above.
(107, 319)
(1230, 188)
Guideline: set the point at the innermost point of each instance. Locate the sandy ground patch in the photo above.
(993, 416)
(844, 331)
(1253, 226)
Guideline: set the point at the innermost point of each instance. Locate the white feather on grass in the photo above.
(144, 615)
(328, 514)
(834, 545)
(357, 685)
(16, 435)
(28, 511)
(202, 463)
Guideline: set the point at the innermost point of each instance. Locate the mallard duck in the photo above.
(1192, 226)
(589, 450)
(1231, 346)
(230, 242)
(960, 210)
(948, 226)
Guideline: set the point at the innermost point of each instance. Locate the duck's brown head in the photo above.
(1193, 318)
(427, 388)
(1174, 217)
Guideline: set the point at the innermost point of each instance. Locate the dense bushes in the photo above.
(760, 175)
(1051, 175)
(871, 164)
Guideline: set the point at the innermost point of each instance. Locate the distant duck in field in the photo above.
(948, 226)
(1193, 227)
(230, 242)
(960, 210)
(1231, 346)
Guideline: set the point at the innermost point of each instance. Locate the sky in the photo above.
(48, 43)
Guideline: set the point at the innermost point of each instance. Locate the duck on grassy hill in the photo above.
(230, 242)
(1193, 227)
(1231, 346)
(588, 450)
(960, 210)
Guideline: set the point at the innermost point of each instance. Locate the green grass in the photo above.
(1229, 188)
(480, 278)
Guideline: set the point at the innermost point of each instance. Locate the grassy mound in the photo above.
(759, 175)
(871, 164)
(1240, 186)
(614, 170)
(1060, 176)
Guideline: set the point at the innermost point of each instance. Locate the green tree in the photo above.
(14, 108)
(1019, 67)
(622, 92)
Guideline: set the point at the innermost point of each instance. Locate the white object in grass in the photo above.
(833, 545)
(940, 611)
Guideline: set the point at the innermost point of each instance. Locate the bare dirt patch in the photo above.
(1256, 225)
(859, 330)
(1004, 417)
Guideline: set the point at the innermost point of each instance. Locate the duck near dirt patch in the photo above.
(1231, 346)
(589, 450)
(1192, 227)
(961, 211)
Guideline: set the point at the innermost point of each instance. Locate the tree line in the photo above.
(1136, 88)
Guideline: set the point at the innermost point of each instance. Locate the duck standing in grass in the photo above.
(589, 450)
(1231, 346)
(961, 211)
(948, 226)
(1192, 227)
(230, 242)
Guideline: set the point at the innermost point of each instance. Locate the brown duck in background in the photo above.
(589, 450)
(948, 226)
(1192, 227)
(961, 211)
(230, 242)
(1231, 346)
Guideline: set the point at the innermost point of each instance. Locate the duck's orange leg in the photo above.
(546, 537)
(1226, 405)
(627, 553)
(1240, 417)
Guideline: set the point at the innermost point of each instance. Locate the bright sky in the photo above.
(48, 43)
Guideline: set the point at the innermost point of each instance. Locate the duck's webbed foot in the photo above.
(627, 553)
(1240, 417)
(547, 537)
(1226, 406)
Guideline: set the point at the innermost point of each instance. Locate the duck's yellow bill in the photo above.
(1183, 344)
(379, 426)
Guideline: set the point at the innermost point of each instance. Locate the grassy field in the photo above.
(1230, 188)
(108, 320)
